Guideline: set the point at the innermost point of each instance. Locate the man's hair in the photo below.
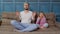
(26, 3)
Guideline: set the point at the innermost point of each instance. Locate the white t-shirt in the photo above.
(26, 18)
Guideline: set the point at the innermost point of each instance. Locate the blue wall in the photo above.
(35, 5)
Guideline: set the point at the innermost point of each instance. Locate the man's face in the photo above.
(26, 6)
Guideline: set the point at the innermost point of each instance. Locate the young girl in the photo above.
(41, 20)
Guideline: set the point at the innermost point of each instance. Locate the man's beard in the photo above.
(26, 9)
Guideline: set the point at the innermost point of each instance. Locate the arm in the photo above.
(18, 16)
(33, 17)
(43, 21)
(38, 21)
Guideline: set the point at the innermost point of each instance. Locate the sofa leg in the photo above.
(0, 23)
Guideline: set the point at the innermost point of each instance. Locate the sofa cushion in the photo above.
(51, 19)
(6, 21)
(9, 15)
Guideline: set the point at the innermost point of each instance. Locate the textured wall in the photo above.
(35, 5)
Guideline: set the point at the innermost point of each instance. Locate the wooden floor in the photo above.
(29, 32)
(8, 29)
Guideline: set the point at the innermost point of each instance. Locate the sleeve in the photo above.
(43, 21)
(38, 21)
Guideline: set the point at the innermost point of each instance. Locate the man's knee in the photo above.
(13, 21)
(35, 26)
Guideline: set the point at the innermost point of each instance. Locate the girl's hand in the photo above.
(41, 27)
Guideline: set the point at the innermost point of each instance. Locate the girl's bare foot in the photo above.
(43, 28)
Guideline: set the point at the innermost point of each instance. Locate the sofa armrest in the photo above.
(57, 24)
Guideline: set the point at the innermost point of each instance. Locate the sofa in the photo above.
(51, 20)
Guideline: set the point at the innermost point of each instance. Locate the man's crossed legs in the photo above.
(24, 27)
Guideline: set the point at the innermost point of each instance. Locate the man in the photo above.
(26, 17)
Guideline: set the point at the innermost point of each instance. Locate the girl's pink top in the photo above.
(41, 22)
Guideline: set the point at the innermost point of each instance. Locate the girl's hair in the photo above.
(43, 13)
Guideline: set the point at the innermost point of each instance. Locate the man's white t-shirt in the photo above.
(26, 18)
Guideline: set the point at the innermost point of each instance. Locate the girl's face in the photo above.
(41, 15)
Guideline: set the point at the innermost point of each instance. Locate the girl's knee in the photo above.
(46, 24)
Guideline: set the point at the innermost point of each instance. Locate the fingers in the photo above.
(17, 13)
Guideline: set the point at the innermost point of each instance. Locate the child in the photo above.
(41, 20)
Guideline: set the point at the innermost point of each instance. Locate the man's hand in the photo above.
(34, 14)
(17, 13)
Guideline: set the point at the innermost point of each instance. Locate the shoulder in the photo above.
(30, 12)
(44, 18)
(21, 12)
